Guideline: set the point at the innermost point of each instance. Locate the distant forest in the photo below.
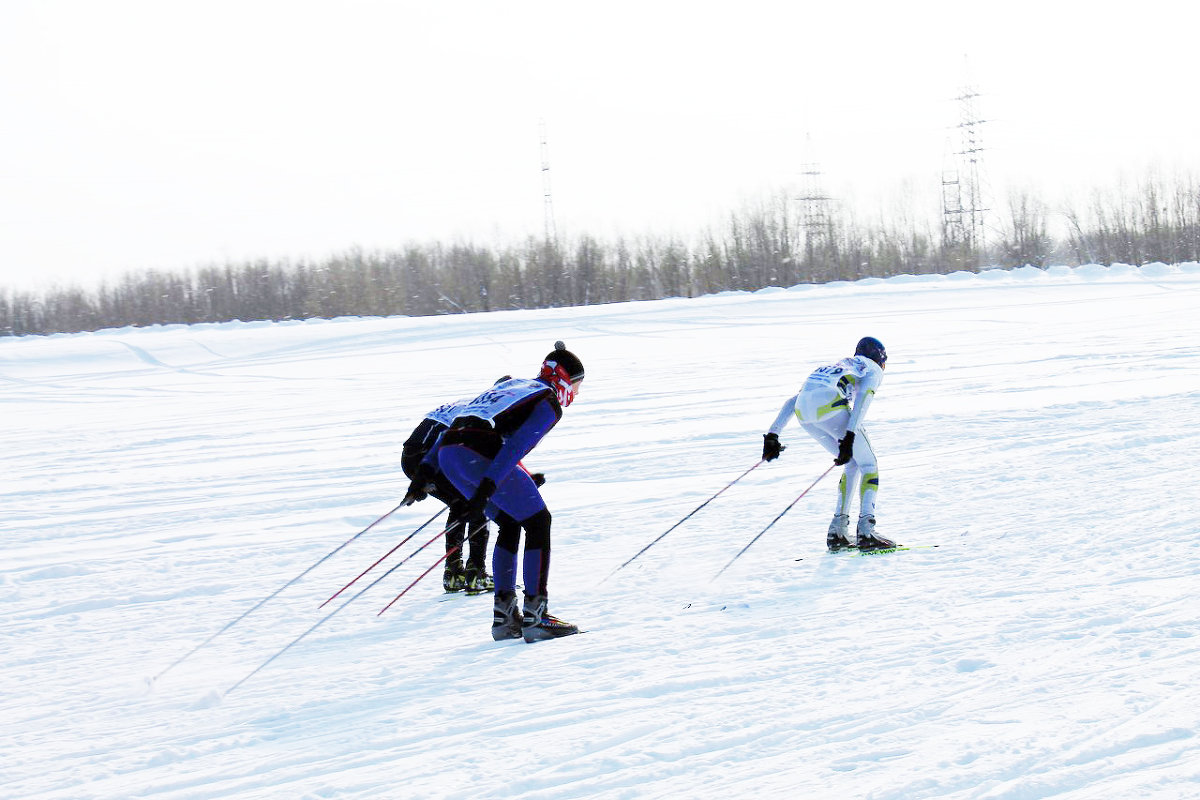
(776, 244)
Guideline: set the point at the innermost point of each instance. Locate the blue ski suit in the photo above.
(487, 440)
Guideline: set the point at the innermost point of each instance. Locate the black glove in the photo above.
(479, 500)
(418, 490)
(415, 494)
(845, 449)
(771, 446)
(539, 478)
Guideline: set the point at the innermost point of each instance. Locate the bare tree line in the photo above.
(770, 245)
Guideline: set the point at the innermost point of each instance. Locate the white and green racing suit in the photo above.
(834, 399)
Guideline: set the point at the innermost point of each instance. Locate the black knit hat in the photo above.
(567, 360)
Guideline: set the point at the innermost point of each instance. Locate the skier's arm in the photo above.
(518, 444)
(863, 398)
(538, 478)
(772, 449)
(423, 474)
(785, 414)
(861, 403)
(429, 464)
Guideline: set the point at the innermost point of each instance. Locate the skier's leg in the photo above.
(516, 494)
(475, 573)
(456, 524)
(823, 416)
(868, 466)
(504, 554)
(536, 561)
(478, 535)
(463, 467)
(846, 487)
(537, 623)
(823, 434)
(453, 574)
(828, 432)
(506, 608)
(516, 497)
(864, 456)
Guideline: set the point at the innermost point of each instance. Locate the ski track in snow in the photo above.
(1041, 427)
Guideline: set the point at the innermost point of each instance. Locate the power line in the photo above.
(550, 229)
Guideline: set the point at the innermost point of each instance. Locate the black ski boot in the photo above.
(476, 580)
(506, 616)
(537, 624)
(454, 578)
(867, 540)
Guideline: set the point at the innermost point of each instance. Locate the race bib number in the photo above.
(496, 400)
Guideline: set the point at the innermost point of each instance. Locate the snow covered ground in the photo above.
(1043, 428)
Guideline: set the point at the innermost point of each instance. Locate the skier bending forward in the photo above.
(481, 454)
(473, 529)
(831, 407)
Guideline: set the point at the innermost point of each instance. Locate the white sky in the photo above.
(177, 134)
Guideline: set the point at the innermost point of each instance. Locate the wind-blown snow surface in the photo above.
(1043, 428)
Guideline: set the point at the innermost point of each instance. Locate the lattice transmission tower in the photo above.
(816, 220)
(551, 230)
(964, 186)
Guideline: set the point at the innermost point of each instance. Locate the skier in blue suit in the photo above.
(480, 454)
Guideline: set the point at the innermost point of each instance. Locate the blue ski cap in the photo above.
(872, 348)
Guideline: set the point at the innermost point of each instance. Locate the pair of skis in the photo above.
(875, 551)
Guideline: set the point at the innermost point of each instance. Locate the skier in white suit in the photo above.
(831, 407)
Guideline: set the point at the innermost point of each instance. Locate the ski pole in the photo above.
(326, 618)
(677, 524)
(781, 513)
(262, 602)
(445, 555)
(381, 558)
